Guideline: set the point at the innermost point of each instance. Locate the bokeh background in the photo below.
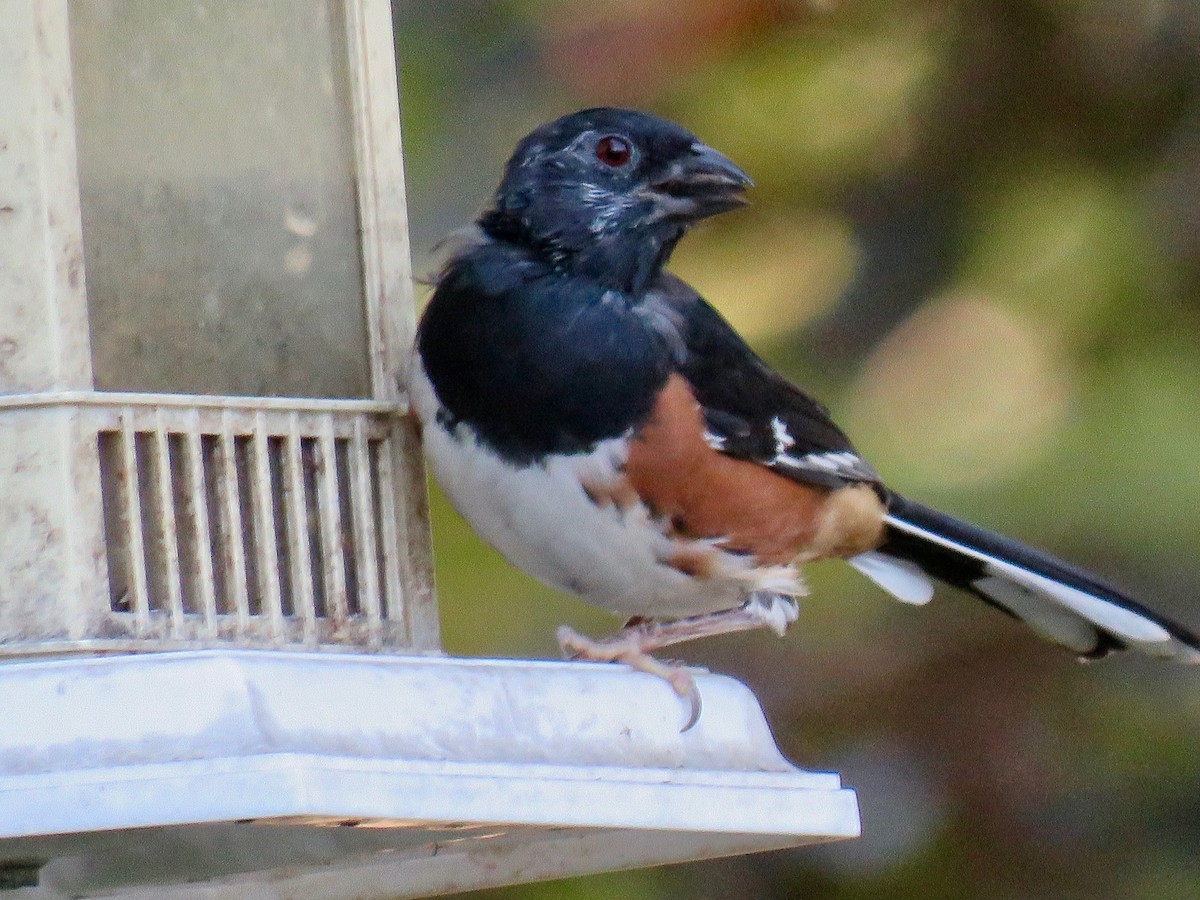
(976, 235)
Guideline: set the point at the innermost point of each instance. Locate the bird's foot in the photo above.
(629, 646)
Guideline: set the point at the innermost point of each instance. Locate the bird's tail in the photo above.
(1063, 603)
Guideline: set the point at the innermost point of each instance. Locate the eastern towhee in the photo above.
(600, 424)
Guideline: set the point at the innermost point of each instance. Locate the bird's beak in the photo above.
(703, 183)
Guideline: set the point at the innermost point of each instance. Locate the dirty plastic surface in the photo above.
(235, 765)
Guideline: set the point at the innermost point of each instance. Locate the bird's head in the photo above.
(606, 193)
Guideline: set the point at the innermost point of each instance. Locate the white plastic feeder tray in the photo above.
(217, 619)
(266, 774)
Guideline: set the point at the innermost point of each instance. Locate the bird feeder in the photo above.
(219, 658)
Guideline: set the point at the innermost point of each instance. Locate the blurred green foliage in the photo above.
(976, 234)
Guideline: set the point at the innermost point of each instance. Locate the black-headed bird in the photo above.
(603, 427)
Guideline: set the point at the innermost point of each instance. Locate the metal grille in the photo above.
(265, 520)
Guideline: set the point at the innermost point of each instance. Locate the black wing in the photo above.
(750, 411)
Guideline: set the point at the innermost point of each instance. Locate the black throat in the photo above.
(626, 259)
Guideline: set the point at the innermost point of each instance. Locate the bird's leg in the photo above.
(633, 643)
(626, 646)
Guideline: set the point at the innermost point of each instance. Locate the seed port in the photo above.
(271, 522)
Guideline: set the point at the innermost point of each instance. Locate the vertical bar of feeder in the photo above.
(382, 208)
(167, 525)
(198, 493)
(393, 588)
(138, 586)
(361, 497)
(235, 538)
(330, 516)
(264, 515)
(296, 510)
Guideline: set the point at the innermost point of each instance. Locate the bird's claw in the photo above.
(626, 648)
(685, 686)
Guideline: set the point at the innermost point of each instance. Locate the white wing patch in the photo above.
(783, 440)
(842, 463)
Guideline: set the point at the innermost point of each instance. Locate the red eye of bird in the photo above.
(613, 150)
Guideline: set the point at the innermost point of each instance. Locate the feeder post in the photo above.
(53, 580)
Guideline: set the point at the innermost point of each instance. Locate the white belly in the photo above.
(542, 521)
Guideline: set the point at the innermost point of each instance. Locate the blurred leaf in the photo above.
(807, 109)
(963, 392)
(1057, 241)
(772, 274)
(1125, 472)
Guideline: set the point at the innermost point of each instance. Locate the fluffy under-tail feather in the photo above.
(1061, 602)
